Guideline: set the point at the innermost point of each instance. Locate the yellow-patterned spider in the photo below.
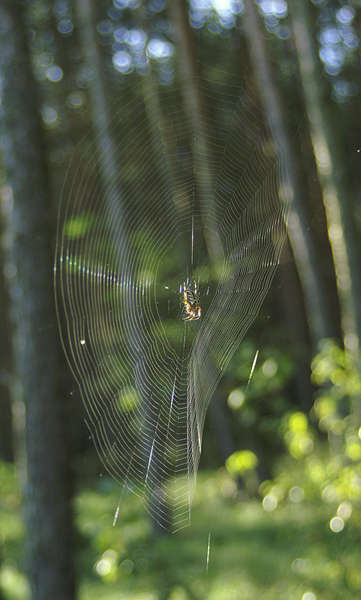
(190, 301)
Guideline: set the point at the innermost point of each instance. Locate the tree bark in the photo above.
(331, 169)
(48, 551)
(7, 442)
(193, 103)
(305, 252)
(109, 166)
(204, 182)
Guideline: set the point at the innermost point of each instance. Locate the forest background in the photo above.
(276, 512)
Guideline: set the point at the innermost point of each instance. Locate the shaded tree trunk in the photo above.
(7, 450)
(99, 109)
(305, 252)
(27, 225)
(193, 102)
(332, 172)
(108, 167)
(204, 182)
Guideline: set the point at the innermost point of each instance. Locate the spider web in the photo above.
(179, 209)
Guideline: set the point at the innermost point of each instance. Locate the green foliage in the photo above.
(13, 583)
(256, 386)
(298, 437)
(328, 447)
(337, 412)
(128, 399)
(322, 471)
(274, 550)
(241, 461)
(79, 225)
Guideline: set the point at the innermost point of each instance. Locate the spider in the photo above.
(190, 301)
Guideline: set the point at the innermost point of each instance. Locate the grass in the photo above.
(289, 553)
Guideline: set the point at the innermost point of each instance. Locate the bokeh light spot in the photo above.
(65, 27)
(127, 566)
(120, 34)
(296, 494)
(269, 368)
(235, 399)
(49, 115)
(344, 511)
(105, 27)
(122, 62)
(103, 567)
(75, 99)
(159, 49)
(269, 503)
(142, 565)
(126, 3)
(45, 59)
(345, 15)
(54, 73)
(337, 524)
(309, 596)
(229, 488)
(135, 38)
(277, 8)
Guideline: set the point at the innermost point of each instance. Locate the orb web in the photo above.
(192, 201)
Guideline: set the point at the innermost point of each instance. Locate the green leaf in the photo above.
(79, 225)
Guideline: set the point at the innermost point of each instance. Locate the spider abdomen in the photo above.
(191, 298)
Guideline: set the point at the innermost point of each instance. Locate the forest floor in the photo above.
(233, 549)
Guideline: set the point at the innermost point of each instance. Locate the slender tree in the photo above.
(99, 109)
(107, 158)
(193, 104)
(35, 337)
(305, 251)
(7, 449)
(203, 179)
(332, 172)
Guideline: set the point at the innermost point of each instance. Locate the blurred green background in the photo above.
(276, 512)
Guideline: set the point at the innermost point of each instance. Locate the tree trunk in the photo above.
(193, 102)
(304, 249)
(35, 336)
(204, 182)
(331, 169)
(108, 164)
(7, 443)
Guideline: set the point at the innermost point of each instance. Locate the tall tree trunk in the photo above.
(35, 336)
(203, 179)
(331, 169)
(193, 102)
(108, 168)
(7, 443)
(105, 146)
(304, 249)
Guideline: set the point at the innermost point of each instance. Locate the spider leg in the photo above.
(184, 294)
(189, 316)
